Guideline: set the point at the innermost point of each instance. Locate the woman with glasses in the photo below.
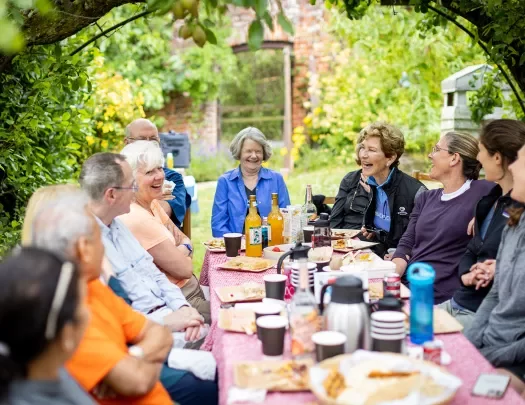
(378, 198)
(499, 143)
(172, 250)
(42, 320)
(230, 205)
(437, 232)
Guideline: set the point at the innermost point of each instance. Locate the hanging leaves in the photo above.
(255, 35)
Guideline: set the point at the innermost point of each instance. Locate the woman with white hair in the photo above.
(230, 206)
(172, 250)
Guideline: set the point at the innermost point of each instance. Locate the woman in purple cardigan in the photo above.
(437, 231)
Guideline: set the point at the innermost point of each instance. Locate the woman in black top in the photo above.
(42, 320)
(379, 197)
(499, 143)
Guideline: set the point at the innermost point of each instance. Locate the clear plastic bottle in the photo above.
(304, 316)
(421, 277)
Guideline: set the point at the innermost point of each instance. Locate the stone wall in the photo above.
(310, 55)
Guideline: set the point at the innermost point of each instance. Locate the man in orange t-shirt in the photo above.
(103, 364)
(102, 358)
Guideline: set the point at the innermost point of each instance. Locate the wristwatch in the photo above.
(188, 246)
(136, 351)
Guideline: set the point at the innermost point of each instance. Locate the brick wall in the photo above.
(310, 57)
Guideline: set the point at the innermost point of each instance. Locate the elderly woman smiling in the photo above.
(234, 187)
(379, 197)
(171, 249)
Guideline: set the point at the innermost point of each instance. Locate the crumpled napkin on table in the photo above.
(236, 394)
(199, 362)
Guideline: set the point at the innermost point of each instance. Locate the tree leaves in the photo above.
(285, 23)
(255, 35)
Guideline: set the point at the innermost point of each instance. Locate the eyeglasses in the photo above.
(437, 149)
(133, 187)
(66, 273)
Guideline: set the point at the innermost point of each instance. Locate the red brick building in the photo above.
(309, 52)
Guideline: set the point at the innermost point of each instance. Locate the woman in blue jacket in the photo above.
(234, 187)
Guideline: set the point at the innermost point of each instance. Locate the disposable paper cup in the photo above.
(387, 325)
(275, 285)
(308, 231)
(273, 328)
(388, 316)
(264, 309)
(388, 343)
(387, 331)
(328, 344)
(232, 241)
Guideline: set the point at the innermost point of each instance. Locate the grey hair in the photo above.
(143, 155)
(100, 172)
(255, 135)
(59, 224)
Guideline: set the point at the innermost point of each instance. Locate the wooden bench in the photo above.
(421, 176)
(329, 200)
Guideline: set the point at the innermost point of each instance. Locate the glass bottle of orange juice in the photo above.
(276, 222)
(252, 230)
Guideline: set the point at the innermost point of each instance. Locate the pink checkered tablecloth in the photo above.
(230, 348)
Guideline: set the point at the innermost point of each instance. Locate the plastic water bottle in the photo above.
(421, 277)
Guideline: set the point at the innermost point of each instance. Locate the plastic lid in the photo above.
(300, 251)
(323, 221)
(421, 273)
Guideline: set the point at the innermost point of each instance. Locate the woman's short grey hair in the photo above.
(143, 155)
(59, 224)
(100, 172)
(255, 135)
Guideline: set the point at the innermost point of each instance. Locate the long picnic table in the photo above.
(230, 348)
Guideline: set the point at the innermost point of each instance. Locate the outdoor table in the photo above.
(230, 348)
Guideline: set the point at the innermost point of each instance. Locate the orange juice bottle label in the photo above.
(255, 235)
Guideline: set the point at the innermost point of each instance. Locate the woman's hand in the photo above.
(470, 227)
(367, 234)
(485, 272)
(480, 274)
(364, 184)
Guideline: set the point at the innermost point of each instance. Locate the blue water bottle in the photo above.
(421, 277)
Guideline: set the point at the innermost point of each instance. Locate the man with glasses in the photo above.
(122, 358)
(103, 363)
(108, 181)
(144, 130)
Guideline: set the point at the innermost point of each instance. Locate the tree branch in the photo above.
(114, 27)
(485, 49)
(68, 18)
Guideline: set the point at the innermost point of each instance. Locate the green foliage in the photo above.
(252, 94)
(199, 17)
(208, 164)
(498, 24)
(383, 71)
(56, 110)
(43, 121)
(483, 101)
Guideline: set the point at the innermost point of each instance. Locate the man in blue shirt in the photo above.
(108, 181)
(144, 130)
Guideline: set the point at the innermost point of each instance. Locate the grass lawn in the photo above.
(323, 182)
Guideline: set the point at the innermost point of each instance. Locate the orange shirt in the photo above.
(151, 230)
(112, 325)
